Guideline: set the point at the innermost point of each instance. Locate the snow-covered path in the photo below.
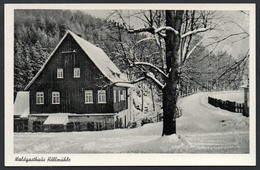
(212, 130)
(201, 129)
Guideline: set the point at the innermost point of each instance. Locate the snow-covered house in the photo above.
(77, 88)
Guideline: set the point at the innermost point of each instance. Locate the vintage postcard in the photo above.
(130, 84)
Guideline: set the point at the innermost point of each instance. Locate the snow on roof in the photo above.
(75, 114)
(100, 59)
(96, 54)
(21, 104)
(57, 118)
(124, 85)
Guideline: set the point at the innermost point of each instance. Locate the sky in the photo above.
(238, 17)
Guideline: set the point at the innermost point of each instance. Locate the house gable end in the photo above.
(95, 54)
(64, 58)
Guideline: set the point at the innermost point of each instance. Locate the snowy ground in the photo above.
(201, 129)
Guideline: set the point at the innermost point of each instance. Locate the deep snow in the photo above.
(202, 128)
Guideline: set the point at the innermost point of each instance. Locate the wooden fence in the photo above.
(230, 106)
(186, 94)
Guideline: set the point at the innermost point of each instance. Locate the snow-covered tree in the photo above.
(176, 34)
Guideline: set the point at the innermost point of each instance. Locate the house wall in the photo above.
(72, 90)
(119, 105)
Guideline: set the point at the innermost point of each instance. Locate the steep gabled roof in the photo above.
(96, 55)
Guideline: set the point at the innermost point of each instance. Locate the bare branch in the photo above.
(157, 39)
(107, 18)
(168, 28)
(153, 66)
(240, 27)
(147, 75)
(155, 53)
(147, 29)
(138, 80)
(234, 66)
(124, 23)
(145, 21)
(227, 37)
(156, 81)
(190, 52)
(127, 82)
(142, 40)
(244, 12)
(216, 42)
(195, 31)
(194, 80)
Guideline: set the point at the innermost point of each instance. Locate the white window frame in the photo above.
(77, 72)
(119, 96)
(55, 98)
(60, 73)
(102, 96)
(89, 97)
(122, 96)
(114, 96)
(39, 98)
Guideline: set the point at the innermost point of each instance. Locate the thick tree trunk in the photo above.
(172, 42)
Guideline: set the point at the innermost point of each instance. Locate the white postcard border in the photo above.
(125, 159)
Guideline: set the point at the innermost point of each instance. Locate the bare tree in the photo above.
(171, 33)
(174, 32)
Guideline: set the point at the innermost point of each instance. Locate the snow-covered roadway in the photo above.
(202, 128)
(212, 130)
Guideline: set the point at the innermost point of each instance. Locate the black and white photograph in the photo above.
(129, 83)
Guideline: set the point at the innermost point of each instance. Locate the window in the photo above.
(39, 98)
(119, 99)
(101, 96)
(124, 95)
(76, 72)
(88, 96)
(114, 96)
(55, 97)
(60, 73)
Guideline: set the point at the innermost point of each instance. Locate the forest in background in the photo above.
(37, 32)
